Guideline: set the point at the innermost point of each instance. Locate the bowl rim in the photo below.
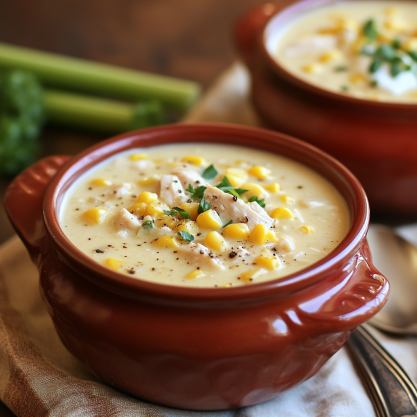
(223, 133)
(287, 12)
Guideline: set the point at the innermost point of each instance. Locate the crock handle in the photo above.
(246, 31)
(24, 201)
(364, 293)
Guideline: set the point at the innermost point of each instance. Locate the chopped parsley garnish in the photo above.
(388, 54)
(227, 224)
(226, 187)
(344, 88)
(203, 206)
(209, 173)
(370, 30)
(186, 236)
(196, 192)
(177, 210)
(148, 224)
(256, 199)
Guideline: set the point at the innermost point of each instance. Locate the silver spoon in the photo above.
(396, 258)
(392, 391)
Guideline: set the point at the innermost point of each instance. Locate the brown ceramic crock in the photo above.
(210, 348)
(377, 141)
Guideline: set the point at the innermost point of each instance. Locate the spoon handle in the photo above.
(392, 391)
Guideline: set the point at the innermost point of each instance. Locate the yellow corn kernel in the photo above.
(237, 231)
(167, 242)
(396, 24)
(357, 78)
(147, 197)
(287, 199)
(254, 190)
(159, 160)
(215, 241)
(282, 213)
(311, 68)
(138, 209)
(114, 263)
(330, 56)
(240, 162)
(226, 286)
(410, 44)
(198, 273)
(209, 220)
(358, 44)
(168, 221)
(101, 182)
(259, 172)
(273, 188)
(390, 11)
(96, 215)
(267, 262)
(156, 208)
(308, 230)
(261, 235)
(194, 160)
(236, 176)
(187, 226)
(146, 182)
(250, 276)
(138, 156)
(329, 31)
(191, 209)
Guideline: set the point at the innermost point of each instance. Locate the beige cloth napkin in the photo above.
(39, 377)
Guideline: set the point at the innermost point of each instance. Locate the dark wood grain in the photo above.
(183, 38)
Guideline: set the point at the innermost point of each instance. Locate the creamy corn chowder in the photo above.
(203, 215)
(366, 49)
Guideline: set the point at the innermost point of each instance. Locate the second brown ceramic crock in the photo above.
(376, 140)
(209, 348)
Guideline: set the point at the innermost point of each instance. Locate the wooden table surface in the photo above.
(181, 38)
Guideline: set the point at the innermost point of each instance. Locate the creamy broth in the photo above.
(137, 213)
(366, 49)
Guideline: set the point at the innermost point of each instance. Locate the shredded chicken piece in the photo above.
(286, 243)
(125, 221)
(172, 193)
(199, 254)
(118, 190)
(231, 208)
(188, 176)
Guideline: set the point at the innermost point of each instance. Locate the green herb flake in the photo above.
(227, 224)
(148, 224)
(341, 68)
(186, 236)
(413, 55)
(375, 65)
(203, 206)
(182, 213)
(374, 83)
(209, 173)
(224, 183)
(396, 44)
(260, 202)
(196, 192)
(344, 88)
(370, 30)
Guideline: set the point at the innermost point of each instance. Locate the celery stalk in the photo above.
(59, 71)
(98, 114)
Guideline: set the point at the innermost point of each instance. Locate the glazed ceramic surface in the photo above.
(190, 347)
(376, 140)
